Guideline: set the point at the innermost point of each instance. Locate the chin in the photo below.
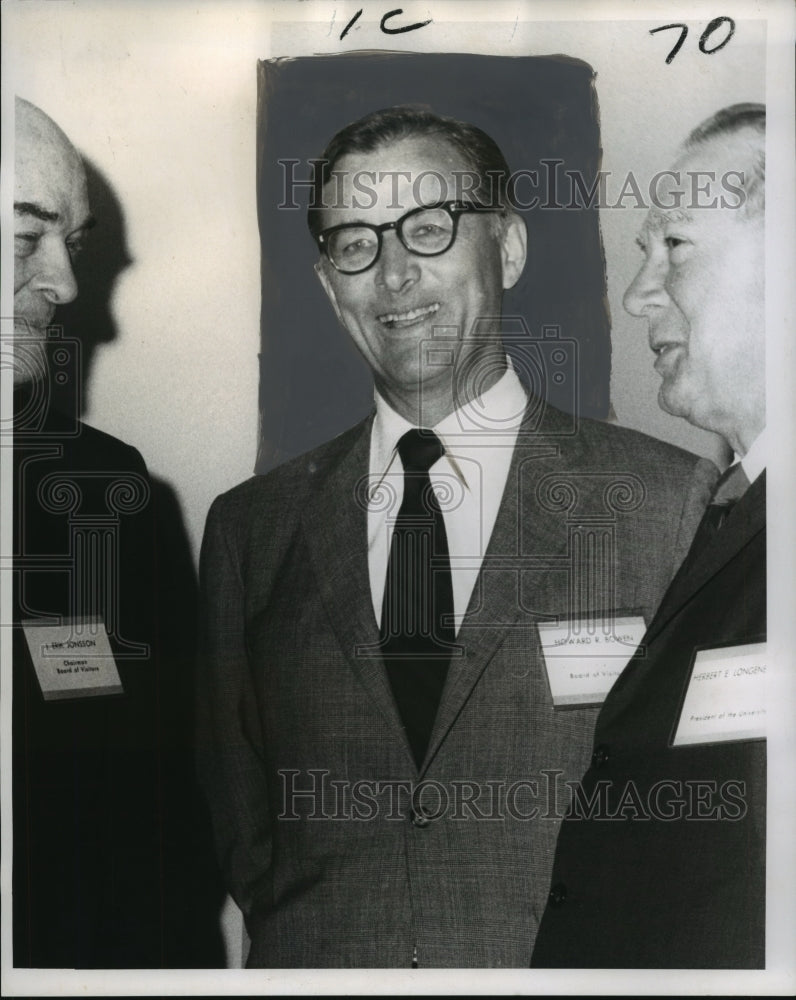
(672, 402)
(30, 362)
(26, 329)
(665, 400)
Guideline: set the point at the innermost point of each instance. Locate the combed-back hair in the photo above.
(480, 153)
(731, 121)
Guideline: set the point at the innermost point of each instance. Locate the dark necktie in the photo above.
(417, 614)
(729, 489)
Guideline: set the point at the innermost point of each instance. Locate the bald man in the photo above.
(51, 216)
(100, 867)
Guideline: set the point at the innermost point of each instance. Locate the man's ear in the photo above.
(514, 248)
(323, 277)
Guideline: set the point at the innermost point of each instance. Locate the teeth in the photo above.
(410, 314)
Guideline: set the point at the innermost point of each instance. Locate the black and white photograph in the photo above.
(386, 595)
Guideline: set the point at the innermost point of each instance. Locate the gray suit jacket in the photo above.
(338, 851)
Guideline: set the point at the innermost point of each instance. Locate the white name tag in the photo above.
(584, 656)
(726, 696)
(74, 659)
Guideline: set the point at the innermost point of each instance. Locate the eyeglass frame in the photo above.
(455, 210)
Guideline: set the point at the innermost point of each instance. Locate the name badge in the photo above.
(73, 659)
(726, 696)
(584, 656)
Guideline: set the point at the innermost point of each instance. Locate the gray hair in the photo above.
(739, 118)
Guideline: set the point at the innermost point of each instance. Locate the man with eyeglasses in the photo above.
(378, 737)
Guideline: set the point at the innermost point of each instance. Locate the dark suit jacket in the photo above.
(683, 892)
(104, 873)
(293, 698)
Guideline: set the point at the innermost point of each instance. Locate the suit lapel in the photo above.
(335, 522)
(744, 523)
(521, 529)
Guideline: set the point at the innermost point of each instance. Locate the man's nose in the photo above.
(397, 268)
(648, 288)
(54, 276)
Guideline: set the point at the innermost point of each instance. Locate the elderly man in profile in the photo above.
(378, 733)
(661, 863)
(95, 790)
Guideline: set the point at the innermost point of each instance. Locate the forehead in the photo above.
(49, 173)
(394, 178)
(701, 186)
(721, 155)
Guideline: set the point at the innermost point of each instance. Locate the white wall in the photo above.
(162, 98)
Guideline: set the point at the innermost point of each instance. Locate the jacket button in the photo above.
(557, 894)
(600, 756)
(419, 819)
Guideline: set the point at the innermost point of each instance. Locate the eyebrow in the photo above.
(661, 217)
(45, 215)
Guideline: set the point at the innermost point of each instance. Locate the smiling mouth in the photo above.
(398, 320)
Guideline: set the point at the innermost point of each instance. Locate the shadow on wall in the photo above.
(192, 890)
(89, 318)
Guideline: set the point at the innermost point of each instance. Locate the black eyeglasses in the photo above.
(427, 231)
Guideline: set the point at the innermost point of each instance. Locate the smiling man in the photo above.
(379, 742)
(668, 868)
(445, 272)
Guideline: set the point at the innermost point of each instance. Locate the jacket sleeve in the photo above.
(229, 739)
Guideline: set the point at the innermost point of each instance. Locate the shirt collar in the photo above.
(499, 409)
(754, 461)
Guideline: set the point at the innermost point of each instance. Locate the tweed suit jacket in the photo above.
(337, 849)
(685, 890)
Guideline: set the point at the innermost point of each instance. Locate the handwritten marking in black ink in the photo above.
(709, 31)
(406, 27)
(350, 24)
(678, 43)
(383, 23)
(714, 24)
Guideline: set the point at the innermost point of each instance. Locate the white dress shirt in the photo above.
(754, 461)
(468, 481)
